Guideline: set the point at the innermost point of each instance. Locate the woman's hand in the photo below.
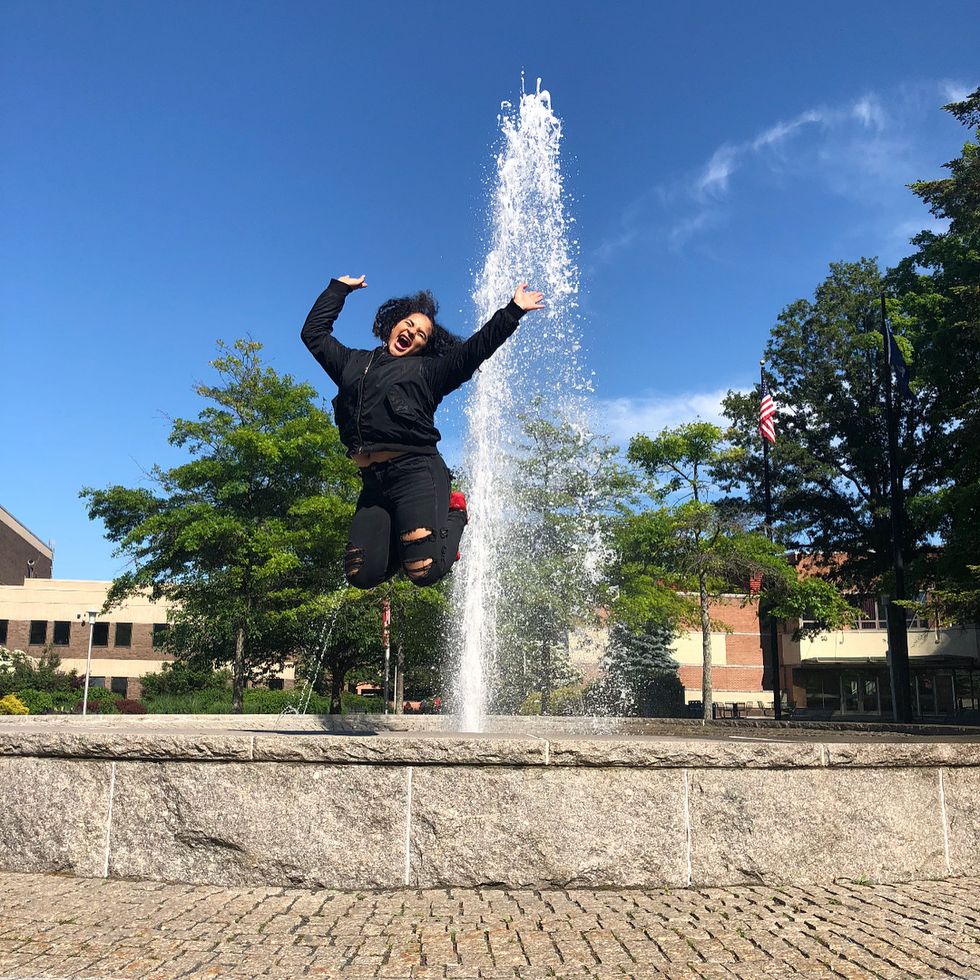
(352, 282)
(527, 299)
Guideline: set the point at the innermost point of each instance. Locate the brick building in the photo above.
(43, 613)
(23, 554)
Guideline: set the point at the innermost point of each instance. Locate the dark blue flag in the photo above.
(898, 365)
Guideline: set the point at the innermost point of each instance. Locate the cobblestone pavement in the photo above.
(53, 926)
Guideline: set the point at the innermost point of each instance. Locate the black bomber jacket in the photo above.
(387, 402)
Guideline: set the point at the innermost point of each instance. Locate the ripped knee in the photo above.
(419, 569)
(418, 535)
(354, 565)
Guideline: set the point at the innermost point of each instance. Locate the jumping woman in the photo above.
(406, 517)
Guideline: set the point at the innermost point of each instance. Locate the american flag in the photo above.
(767, 414)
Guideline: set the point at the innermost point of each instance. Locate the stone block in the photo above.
(114, 744)
(54, 815)
(665, 752)
(811, 825)
(549, 826)
(903, 754)
(961, 792)
(233, 823)
(388, 749)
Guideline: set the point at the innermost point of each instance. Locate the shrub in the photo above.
(65, 700)
(180, 678)
(192, 703)
(98, 706)
(12, 705)
(127, 706)
(19, 671)
(37, 702)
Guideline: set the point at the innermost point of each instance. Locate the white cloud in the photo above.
(714, 178)
(623, 418)
(956, 91)
(865, 149)
(869, 112)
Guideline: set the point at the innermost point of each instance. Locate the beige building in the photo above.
(53, 613)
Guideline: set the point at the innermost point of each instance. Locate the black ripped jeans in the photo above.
(401, 499)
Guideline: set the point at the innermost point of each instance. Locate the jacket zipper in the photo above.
(360, 402)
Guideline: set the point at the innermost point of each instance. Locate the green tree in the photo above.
(566, 486)
(830, 465)
(939, 286)
(639, 669)
(246, 531)
(678, 556)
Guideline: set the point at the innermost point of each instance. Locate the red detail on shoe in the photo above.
(457, 501)
(458, 556)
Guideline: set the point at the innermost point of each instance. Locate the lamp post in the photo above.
(92, 614)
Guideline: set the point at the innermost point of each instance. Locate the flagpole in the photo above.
(386, 640)
(898, 640)
(777, 694)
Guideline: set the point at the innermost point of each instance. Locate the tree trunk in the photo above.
(238, 674)
(400, 682)
(336, 688)
(705, 648)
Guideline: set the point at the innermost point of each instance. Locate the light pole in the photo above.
(92, 613)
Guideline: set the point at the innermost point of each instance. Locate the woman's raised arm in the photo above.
(317, 332)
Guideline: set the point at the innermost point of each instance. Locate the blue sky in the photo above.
(177, 172)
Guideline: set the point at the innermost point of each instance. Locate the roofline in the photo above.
(25, 532)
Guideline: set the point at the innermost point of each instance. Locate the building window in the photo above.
(275, 684)
(3, 632)
(119, 685)
(822, 689)
(39, 632)
(100, 635)
(96, 682)
(124, 634)
(62, 633)
(159, 635)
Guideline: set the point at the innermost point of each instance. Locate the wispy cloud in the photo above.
(623, 418)
(863, 149)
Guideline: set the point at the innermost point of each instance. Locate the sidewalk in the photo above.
(58, 927)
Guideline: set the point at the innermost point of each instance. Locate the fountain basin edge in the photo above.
(236, 804)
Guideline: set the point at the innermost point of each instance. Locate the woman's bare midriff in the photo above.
(366, 459)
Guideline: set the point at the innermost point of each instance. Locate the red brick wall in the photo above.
(723, 678)
(141, 648)
(14, 552)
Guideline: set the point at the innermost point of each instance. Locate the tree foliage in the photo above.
(830, 464)
(566, 489)
(939, 286)
(249, 530)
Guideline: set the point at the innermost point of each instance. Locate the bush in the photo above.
(37, 702)
(567, 700)
(65, 700)
(12, 705)
(18, 671)
(127, 706)
(192, 703)
(181, 678)
(98, 706)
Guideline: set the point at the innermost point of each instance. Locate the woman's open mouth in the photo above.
(403, 342)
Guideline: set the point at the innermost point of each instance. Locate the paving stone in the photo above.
(925, 929)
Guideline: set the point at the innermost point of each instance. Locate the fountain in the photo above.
(538, 368)
(366, 802)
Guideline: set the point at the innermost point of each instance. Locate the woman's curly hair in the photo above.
(394, 310)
